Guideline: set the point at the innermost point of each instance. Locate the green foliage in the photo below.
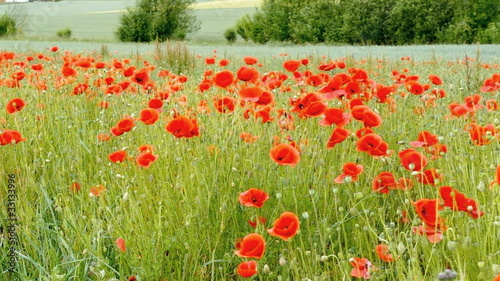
(7, 25)
(379, 22)
(157, 20)
(175, 57)
(64, 33)
(230, 35)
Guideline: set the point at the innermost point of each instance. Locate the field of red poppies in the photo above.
(274, 168)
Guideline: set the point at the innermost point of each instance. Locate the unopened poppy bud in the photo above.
(335, 190)
(452, 245)
(495, 268)
(480, 186)
(282, 261)
(278, 195)
(125, 197)
(481, 264)
(358, 195)
(305, 215)
(266, 269)
(415, 173)
(401, 248)
(323, 259)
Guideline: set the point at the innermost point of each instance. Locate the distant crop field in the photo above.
(98, 20)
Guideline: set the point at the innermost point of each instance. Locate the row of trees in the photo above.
(380, 22)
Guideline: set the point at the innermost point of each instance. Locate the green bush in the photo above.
(230, 35)
(7, 25)
(157, 20)
(64, 33)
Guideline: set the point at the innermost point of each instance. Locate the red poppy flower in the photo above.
(412, 160)
(339, 134)
(335, 116)
(361, 267)
(430, 177)
(68, 71)
(266, 98)
(246, 73)
(247, 269)
(10, 137)
(482, 135)
(286, 226)
(145, 159)
(251, 93)
(251, 246)
(124, 125)
(372, 144)
(285, 154)
(54, 49)
(458, 109)
(224, 78)
(253, 198)
(292, 65)
(433, 234)
(97, 190)
(350, 171)
(248, 138)
(384, 182)
(425, 138)
(459, 202)
(15, 105)
(149, 116)
(182, 126)
(141, 77)
(383, 253)
(436, 80)
(428, 211)
(155, 103)
(118, 156)
(120, 243)
(250, 60)
(224, 104)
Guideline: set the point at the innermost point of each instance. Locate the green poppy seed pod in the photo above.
(348, 179)
(401, 248)
(452, 245)
(358, 195)
(495, 268)
(335, 190)
(305, 215)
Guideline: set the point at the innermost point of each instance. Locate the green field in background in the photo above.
(99, 20)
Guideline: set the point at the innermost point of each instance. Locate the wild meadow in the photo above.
(182, 167)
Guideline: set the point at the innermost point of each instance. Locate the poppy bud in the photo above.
(323, 259)
(266, 269)
(282, 261)
(452, 245)
(305, 215)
